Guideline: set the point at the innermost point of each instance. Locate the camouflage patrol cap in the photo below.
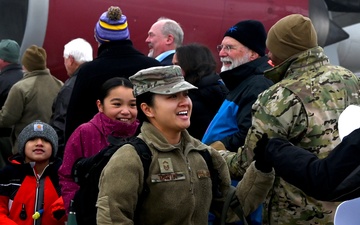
(160, 80)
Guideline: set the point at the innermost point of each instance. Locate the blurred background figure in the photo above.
(198, 65)
(30, 98)
(10, 73)
(76, 52)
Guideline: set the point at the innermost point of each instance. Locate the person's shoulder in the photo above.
(195, 143)
(336, 72)
(56, 80)
(82, 129)
(85, 67)
(335, 69)
(9, 168)
(167, 61)
(13, 169)
(274, 93)
(256, 84)
(20, 85)
(125, 155)
(149, 60)
(262, 64)
(260, 79)
(86, 127)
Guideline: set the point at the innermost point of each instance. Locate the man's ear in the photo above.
(72, 60)
(147, 110)
(254, 55)
(170, 39)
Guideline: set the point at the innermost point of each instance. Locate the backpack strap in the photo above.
(233, 202)
(215, 178)
(146, 157)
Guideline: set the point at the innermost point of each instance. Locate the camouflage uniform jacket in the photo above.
(304, 108)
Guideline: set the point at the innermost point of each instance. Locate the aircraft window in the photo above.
(13, 14)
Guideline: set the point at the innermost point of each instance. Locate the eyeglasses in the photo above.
(227, 48)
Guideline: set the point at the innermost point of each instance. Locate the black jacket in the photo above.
(334, 178)
(206, 100)
(59, 109)
(9, 75)
(115, 59)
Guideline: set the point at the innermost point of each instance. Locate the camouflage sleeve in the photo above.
(277, 112)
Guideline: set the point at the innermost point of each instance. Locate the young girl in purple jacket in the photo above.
(117, 117)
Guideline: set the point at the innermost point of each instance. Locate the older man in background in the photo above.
(76, 52)
(164, 36)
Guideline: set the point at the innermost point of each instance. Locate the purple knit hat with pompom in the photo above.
(112, 26)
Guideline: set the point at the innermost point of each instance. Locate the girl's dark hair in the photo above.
(108, 85)
(147, 98)
(196, 60)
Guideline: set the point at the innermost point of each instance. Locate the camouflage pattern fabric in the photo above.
(304, 108)
(160, 80)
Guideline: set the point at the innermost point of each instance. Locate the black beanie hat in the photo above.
(250, 33)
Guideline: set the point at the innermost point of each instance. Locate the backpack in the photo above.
(86, 173)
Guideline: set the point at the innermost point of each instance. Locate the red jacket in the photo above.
(22, 194)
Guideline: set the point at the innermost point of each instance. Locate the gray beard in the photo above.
(236, 62)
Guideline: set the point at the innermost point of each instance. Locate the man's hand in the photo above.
(261, 162)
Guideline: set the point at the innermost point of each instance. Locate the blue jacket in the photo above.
(231, 123)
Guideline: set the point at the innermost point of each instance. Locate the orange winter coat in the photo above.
(22, 194)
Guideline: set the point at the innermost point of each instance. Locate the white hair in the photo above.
(80, 49)
(172, 27)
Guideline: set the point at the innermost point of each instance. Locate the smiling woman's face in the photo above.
(171, 113)
(119, 104)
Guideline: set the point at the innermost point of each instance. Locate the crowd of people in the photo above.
(267, 123)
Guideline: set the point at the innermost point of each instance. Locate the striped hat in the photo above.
(112, 26)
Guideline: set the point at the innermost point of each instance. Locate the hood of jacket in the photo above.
(301, 62)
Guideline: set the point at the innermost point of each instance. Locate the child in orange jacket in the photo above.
(29, 186)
